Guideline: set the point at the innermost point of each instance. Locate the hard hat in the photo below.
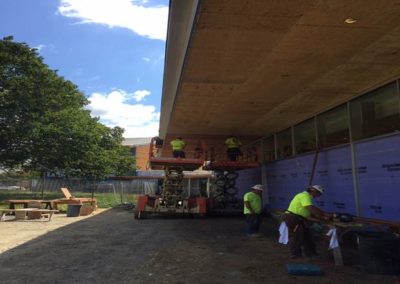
(318, 188)
(257, 187)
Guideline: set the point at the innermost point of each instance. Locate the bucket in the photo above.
(379, 252)
(73, 210)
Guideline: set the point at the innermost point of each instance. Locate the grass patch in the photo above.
(104, 200)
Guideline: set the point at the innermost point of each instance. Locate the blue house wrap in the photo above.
(377, 178)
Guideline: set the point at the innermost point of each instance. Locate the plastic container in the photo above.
(379, 252)
(73, 210)
(303, 269)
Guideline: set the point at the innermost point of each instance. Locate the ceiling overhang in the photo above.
(252, 68)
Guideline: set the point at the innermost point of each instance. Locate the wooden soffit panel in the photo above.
(256, 67)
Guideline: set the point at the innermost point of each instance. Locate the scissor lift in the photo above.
(224, 198)
(171, 200)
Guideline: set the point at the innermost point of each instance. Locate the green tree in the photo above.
(43, 122)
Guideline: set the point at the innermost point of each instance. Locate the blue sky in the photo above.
(113, 50)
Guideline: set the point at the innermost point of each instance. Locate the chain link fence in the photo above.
(109, 193)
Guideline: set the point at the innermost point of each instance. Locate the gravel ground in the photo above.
(113, 247)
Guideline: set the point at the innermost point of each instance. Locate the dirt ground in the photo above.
(113, 247)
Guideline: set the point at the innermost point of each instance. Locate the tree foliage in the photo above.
(44, 125)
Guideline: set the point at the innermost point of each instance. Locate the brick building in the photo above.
(140, 150)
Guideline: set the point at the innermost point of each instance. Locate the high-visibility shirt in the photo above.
(232, 143)
(299, 203)
(255, 202)
(178, 145)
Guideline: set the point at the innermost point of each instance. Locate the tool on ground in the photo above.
(303, 269)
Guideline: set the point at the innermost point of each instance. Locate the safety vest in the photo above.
(233, 143)
(255, 202)
(178, 145)
(299, 203)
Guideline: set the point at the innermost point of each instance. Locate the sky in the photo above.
(113, 50)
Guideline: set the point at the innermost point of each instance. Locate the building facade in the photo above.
(139, 148)
(303, 82)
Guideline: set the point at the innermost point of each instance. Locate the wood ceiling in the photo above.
(256, 67)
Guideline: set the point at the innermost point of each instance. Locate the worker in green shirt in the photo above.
(300, 208)
(233, 148)
(252, 210)
(178, 146)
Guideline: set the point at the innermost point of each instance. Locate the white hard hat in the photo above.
(318, 188)
(257, 187)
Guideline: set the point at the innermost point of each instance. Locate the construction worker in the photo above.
(252, 210)
(233, 148)
(178, 146)
(157, 146)
(295, 217)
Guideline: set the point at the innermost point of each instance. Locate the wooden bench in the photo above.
(43, 212)
(69, 199)
(25, 202)
(80, 201)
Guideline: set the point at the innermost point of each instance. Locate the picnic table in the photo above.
(91, 201)
(48, 203)
(42, 212)
(69, 199)
(52, 204)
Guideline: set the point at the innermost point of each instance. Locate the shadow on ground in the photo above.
(112, 247)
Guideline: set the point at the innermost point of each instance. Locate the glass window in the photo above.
(304, 136)
(333, 127)
(376, 113)
(269, 149)
(284, 144)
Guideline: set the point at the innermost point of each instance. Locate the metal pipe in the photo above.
(354, 165)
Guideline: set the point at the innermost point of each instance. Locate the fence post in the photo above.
(122, 186)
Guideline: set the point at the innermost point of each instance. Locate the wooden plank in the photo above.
(27, 210)
(66, 192)
(47, 212)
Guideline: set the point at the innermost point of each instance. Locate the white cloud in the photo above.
(146, 59)
(140, 94)
(146, 21)
(39, 47)
(113, 108)
(46, 47)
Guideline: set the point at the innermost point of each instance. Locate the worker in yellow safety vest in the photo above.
(178, 146)
(300, 208)
(233, 148)
(252, 210)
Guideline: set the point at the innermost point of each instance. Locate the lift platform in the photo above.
(172, 199)
(230, 165)
(159, 163)
(224, 199)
